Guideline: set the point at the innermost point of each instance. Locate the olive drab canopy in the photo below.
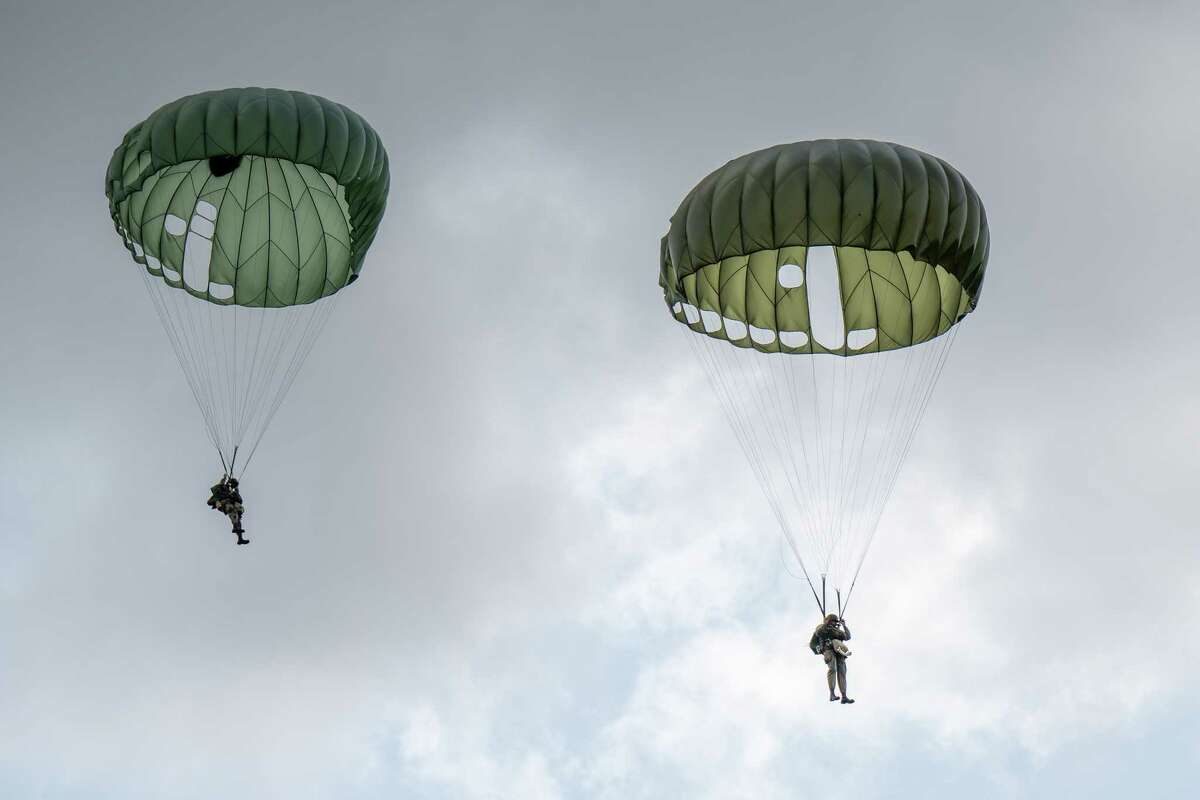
(246, 211)
(280, 179)
(910, 233)
(822, 284)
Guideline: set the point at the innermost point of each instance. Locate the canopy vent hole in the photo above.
(791, 276)
(793, 338)
(735, 329)
(857, 340)
(223, 165)
(763, 336)
(176, 226)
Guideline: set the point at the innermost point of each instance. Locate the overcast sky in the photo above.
(504, 545)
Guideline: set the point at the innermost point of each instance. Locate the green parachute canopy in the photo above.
(246, 211)
(910, 234)
(821, 285)
(280, 193)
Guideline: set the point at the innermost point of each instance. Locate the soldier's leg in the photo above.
(235, 516)
(830, 662)
(841, 674)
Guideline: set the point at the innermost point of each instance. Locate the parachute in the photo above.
(247, 211)
(822, 284)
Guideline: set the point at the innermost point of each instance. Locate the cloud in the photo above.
(504, 544)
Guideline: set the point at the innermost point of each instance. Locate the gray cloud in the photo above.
(495, 554)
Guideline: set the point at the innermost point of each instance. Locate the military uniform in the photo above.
(822, 643)
(228, 500)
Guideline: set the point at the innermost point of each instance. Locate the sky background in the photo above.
(504, 543)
